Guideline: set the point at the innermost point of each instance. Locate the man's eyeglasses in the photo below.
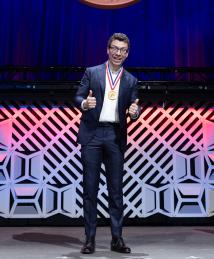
(115, 49)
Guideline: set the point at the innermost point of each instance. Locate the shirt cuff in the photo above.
(82, 105)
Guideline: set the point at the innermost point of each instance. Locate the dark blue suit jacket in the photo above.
(95, 79)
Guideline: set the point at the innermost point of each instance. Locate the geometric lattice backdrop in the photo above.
(169, 163)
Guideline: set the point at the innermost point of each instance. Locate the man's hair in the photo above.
(119, 36)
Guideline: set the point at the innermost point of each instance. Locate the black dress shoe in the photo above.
(88, 247)
(118, 245)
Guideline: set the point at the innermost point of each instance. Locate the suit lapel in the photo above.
(123, 85)
(102, 79)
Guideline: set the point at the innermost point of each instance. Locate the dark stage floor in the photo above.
(145, 242)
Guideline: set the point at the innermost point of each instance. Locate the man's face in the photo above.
(117, 53)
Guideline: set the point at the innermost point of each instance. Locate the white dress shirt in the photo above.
(109, 112)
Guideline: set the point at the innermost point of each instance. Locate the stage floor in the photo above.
(146, 243)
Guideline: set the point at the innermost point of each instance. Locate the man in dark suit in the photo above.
(106, 94)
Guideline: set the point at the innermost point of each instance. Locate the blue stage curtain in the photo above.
(66, 32)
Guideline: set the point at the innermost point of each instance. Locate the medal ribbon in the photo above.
(113, 83)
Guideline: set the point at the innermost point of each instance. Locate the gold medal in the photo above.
(112, 95)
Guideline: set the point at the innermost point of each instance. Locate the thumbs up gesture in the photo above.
(133, 109)
(90, 102)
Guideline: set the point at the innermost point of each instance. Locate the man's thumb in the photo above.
(136, 101)
(90, 93)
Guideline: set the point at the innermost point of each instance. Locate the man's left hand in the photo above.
(133, 109)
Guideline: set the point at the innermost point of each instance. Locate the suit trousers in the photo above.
(103, 148)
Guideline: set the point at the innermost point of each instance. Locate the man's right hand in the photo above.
(90, 102)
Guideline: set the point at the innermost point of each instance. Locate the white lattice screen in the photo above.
(169, 166)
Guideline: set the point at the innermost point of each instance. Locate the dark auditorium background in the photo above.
(64, 32)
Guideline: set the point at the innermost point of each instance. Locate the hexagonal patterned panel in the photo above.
(169, 163)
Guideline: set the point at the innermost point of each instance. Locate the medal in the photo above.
(112, 95)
